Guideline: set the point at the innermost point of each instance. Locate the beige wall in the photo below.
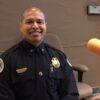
(66, 18)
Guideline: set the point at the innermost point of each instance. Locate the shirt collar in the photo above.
(31, 48)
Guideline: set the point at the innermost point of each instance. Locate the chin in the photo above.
(37, 41)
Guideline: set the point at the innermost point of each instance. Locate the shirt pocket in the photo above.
(56, 73)
(24, 83)
(55, 76)
(19, 77)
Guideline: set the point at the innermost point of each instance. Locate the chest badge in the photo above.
(1, 65)
(55, 62)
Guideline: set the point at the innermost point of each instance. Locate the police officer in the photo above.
(33, 70)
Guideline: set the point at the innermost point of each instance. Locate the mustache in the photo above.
(34, 30)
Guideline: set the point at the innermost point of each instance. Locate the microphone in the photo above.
(94, 45)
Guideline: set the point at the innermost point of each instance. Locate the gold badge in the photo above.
(1, 65)
(55, 62)
(21, 70)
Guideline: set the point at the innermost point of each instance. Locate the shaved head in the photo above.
(32, 9)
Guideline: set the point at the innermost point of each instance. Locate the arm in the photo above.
(6, 92)
(68, 85)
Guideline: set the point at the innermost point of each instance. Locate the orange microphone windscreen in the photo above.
(94, 45)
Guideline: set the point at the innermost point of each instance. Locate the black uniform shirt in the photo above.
(41, 73)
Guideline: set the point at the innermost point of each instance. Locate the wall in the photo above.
(66, 18)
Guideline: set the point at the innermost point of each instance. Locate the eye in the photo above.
(28, 21)
(40, 21)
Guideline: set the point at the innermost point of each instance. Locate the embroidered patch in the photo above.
(69, 63)
(1, 65)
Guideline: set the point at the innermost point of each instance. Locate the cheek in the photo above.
(44, 28)
(24, 29)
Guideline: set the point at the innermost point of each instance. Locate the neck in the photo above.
(36, 44)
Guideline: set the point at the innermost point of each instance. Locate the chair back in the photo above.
(54, 41)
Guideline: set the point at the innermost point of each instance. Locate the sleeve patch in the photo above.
(1, 65)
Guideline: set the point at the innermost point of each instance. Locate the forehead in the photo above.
(34, 14)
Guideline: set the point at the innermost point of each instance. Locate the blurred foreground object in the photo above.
(94, 45)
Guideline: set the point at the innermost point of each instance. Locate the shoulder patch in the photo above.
(69, 63)
(1, 65)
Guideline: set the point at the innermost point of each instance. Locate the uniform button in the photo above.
(31, 50)
(40, 73)
(42, 50)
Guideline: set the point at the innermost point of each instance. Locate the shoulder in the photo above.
(55, 50)
(59, 54)
(10, 51)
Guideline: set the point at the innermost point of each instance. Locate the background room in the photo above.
(66, 18)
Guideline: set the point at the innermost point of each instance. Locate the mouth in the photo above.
(35, 31)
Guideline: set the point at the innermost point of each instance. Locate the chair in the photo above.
(84, 89)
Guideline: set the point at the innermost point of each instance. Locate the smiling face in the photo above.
(33, 26)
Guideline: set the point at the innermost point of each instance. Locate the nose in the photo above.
(35, 25)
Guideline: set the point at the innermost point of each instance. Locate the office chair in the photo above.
(84, 89)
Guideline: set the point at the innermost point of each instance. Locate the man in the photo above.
(33, 70)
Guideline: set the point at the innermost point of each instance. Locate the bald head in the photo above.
(34, 10)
